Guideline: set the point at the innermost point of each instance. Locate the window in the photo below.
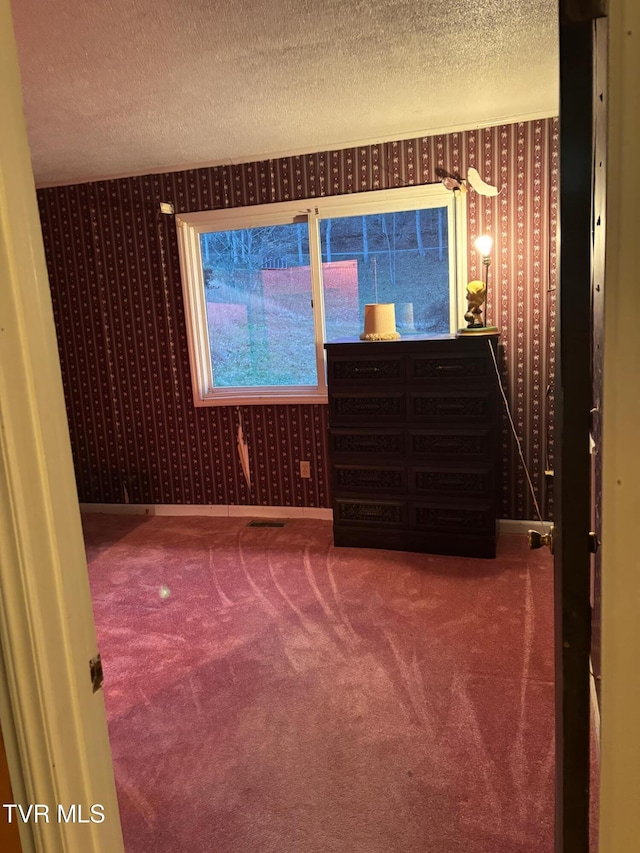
(266, 286)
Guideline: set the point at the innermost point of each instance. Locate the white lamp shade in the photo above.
(380, 322)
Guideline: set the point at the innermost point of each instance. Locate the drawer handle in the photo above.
(451, 368)
(447, 443)
(370, 512)
(368, 405)
(453, 480)
(453, 517)
(366, 370)
(450, 407)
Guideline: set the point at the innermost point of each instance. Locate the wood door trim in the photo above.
(573, 396)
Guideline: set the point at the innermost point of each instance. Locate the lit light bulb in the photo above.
(483, 245)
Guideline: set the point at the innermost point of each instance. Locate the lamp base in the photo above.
(377, 336)
(478, 330)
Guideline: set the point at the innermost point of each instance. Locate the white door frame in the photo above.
(54, 725)
(619, 730)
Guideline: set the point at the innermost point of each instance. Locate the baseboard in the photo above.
(514, 525)
(505, 525)
(219, 510)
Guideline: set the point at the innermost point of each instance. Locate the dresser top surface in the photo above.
(414, 342)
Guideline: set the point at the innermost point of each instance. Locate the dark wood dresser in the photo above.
(413, 440)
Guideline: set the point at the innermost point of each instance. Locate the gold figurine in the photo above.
(476, 295)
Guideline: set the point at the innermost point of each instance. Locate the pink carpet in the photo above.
(269, 693)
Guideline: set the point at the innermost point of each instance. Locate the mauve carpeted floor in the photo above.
(269, 693)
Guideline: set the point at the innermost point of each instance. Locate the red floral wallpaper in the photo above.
(115, 280)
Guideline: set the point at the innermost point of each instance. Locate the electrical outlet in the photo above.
(305, 468)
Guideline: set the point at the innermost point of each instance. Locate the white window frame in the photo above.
(191, 225)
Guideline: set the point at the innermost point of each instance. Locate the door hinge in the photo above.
(97, 676)
(594, 542)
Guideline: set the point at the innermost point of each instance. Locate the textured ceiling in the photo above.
(120, 87)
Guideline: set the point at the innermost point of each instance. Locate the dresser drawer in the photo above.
(441, 517)
(379, 406)
(366, 369)
(447, 369)
(383, 513)
(369, 478)
(460, 483)
(452, 407)
(368, 443)
(466, 446)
